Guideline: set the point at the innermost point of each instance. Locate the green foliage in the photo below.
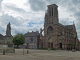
(46, 48)
(18, 39)
(73, 44)
(43, 48)
(48, 45)
(52, 48)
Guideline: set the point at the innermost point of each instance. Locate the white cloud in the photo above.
(0, 4)
(23, 13)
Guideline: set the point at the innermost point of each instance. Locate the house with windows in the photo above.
(32, 40)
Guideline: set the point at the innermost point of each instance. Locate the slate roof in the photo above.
(60, 24)
(32, 34)
(69, 26)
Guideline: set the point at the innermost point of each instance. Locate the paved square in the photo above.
(41, 55)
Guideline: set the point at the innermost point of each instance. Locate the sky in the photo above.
(28, 15)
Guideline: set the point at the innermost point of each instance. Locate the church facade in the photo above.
(57, 35)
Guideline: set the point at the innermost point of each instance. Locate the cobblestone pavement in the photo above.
(41, 55)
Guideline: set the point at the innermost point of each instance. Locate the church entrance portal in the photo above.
(50, 42)
(60, 45)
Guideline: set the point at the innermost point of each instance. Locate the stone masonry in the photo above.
(56, 35)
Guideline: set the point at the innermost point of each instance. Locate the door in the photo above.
(51, 45)
(60, 45)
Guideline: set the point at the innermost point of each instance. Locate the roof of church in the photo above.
(60, 24)
(69, 26)
(31, 34)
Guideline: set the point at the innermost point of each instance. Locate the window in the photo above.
(26, 38)
(50, 28)
(27, 41)
(34, 37)
(31, 39)
(34, 46)
(4, 45)
(34, 41)
(52, 11)
(49, 12)
(10, 45)
(29, 45)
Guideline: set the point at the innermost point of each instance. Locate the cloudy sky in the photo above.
(28, 15)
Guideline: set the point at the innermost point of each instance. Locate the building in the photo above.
(32, 40)
(56, 35)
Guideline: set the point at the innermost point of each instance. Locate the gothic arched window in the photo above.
(52, 11)
(50, 28)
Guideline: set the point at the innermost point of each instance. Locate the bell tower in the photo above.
(51, 15)
(51, 19)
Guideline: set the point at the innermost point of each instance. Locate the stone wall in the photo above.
(7, 44)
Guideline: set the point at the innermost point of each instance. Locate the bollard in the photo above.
(27, 51)
(3, 52)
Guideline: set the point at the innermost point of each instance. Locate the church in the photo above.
(56, 35)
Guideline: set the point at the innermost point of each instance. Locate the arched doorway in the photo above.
(50, 43)
(60, 45)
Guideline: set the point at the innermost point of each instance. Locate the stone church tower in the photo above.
(57, 35)
(51, 20)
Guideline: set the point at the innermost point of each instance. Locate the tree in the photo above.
(18, 39)
(73, 44)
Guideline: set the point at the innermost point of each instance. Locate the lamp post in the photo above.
(23, 49)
